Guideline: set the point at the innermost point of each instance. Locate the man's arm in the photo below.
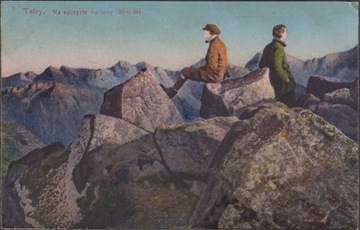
(279, 57)
(212, 62)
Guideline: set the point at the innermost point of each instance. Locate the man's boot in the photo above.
(179, 83)
(172, 91)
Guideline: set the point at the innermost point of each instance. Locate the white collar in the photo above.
(212, 38)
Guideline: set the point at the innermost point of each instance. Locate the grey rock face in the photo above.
(47, 185)
(188, 148)
(142, 102)
(230, 97)
(341, 96)
(23, 186)
(112, 175)
(17, 80)
(282, 168)
(319, 85)
(342, 116)
(16, 142)
(309, 101)
(52, 111)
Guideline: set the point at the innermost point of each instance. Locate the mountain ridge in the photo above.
(342, 65)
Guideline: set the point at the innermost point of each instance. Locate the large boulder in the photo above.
(57, 200)
(342, 116)
(26, 181)
(319, 85)
(232, 96)
(140, 101)
(111, 176)
(282, 168)
(309, 101)
(188, 148)
(341, 96)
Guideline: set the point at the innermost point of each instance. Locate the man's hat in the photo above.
(212, 28)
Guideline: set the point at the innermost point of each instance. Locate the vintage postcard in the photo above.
(161, 115)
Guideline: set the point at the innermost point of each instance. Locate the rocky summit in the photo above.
(275, 168)
(120, 155)
(281, 168)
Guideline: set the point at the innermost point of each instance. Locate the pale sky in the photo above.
(165, 34)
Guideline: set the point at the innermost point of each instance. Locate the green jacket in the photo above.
(274, 58)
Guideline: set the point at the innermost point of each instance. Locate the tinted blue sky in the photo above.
(166, 34)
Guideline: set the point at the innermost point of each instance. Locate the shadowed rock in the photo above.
(342, 116)
(141, 101)
(112, 175)
(341, 96)
(16, 142)
(188, 148)
(282, 168)
(230, 97)
(64, 175)
(23, 186)
(319, 86)
(308, 101)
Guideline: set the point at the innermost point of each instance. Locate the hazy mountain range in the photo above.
(341, 65)
(53, 103)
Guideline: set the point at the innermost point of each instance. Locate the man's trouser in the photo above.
(288, 99)
(199, 74)
(195, 74)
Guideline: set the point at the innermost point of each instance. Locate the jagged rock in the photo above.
(17, 80)
(340, 96)
(24, 185)
(111, 176)
(253, 64)
(342, 116)
(282, 168)
(319, 85)
(188, 148)
(308, 101)
(237, 71)
(55, 201)
(52, 111)
(300, 91)
(230, 97)
(140, 101)
(342, 66)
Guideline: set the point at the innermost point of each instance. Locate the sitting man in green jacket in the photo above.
(274, 58)
(215, 67)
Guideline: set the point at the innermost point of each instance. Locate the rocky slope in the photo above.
(53, 111)
(16, 142)
(281, 168)
(272, 167)
(128, 150)
(336, 102)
